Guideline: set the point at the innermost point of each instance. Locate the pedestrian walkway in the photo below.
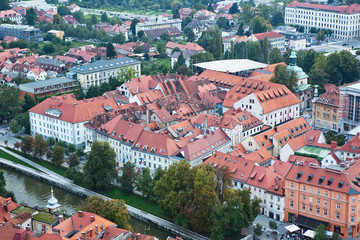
(68, 185)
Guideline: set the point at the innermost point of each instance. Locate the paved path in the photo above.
(66, 184)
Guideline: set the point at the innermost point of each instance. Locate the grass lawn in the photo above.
(59, 170)
(78, 44)
(166, 60)
(137, 202)
(10, 157)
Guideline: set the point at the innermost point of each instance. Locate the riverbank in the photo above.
(71, 187)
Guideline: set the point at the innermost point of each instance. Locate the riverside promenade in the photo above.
(48, 176)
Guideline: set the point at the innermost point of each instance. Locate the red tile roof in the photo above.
(173, 45)
(9, 233)
(295, 159)
(331, 96)
(281, 168)
(353, 145)
(74, 111)
(8, 13)
(194, 46)
(5, 210)
(345, 9)
(112, 233)
(269, 35)
(241, 168)
(149, 97)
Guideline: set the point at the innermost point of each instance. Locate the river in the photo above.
(34, 192)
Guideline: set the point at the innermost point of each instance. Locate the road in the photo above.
(67, 184)
(335, 45)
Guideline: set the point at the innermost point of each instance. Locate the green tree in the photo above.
(265, 45)
(247, 13)
(119, 38)
(74, 160)
(134, 22)
(93, 91)
(217, 45)
(114, 210)
(318, 74)
(189, 33)
(210, 7)
(284, 76)
(180, 61)
(49, 48)
(165, 37)
(51, 141)
(234, 8)
(320, 37)
(140, 34)
(40, 146)
(320, 232)
(3, 190)
(335, 236)
(277, 19)
(57, 155)
(100, 167)
(31, 17)
(24, 121)
(79, 16)
(10, 103)
(80, 152)
(145, 184)
(259, 25)
(94, 20)
(26, 144)
(275, 56)
(4, 5)
(223, 23)
(240, 30)
(126, 73)
(63, 10)
(14, 126)
(71, 148)
(161, 48)
(309, 60)
(110, 50)
(258, 229)
(104, 17)
(114, 82)
(28, 102)
(104, 87)
(254, 50)
(128, 178)
(272, 225)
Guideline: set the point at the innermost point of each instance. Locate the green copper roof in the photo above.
(303, 87)
(300, 73)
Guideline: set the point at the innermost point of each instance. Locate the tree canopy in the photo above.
(286, 77)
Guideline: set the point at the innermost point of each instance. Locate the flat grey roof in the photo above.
(104, 64)
(233, 65)
(30, 87)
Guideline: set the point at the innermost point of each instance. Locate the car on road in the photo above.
(345, 44)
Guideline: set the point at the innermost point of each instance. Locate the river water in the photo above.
(34, 192)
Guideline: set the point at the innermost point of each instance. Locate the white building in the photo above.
(40, 5)
(159, 24)
(276, 40)
(11, 15)
(271, 106)
(343, 21)
(99, 72)
(63, 117)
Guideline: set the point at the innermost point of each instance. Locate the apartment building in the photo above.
(331, 197)
(343, 20)
(271, 106)
(63, 117)
(27, 32)
(276, 40)
(349, 106)
(11, 15)
(99, 72)
(158, 25)
(326, 109)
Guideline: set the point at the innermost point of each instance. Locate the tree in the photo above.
(114, 210)
(114, 83)
(272, 225)
(104, 17)
(286, 77)
(49, 48)
(4, 5)
(189, 33)
(320, 232)
(100, 167)
(240, 30)
(79, 16)
(277, 19)
(259, 25)
(110, 50)
(140, 34)
(210, 7)
(126, 73)
(128, 178)
(40, 146)
(74, 160)
(320, 36)
(180, 61)
(3, 190)
(275, 56)
(165, 37)
(318, 74)
(258, 229)
(265, 45)
(161, 48)
(94, 20)
(223, 23)
(217, 45)
(14, 126)
(234, 9)
(17, 145)
(10, 103)
(57, 156)
(93, 91)
(31, 17)
(80, 152)
(28, 102)
(104, 87)
(133, 24)
(145, 184)
(26, 144)
(183, 70)
(119, 38)
(63, 10)
(71, 148)
(334, 136)
(51, 141)
(335, 236)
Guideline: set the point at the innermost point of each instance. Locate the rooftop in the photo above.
(345, 9)
(104, 64)
(232, 66)
(45, 217)
(31, 86)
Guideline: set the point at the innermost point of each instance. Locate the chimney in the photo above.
(333, 145)
(18, 226)
(96, 229)
(28, 228)
(82, 235)
(91, 232)
(61, 218)
(80, 213)
(205, 126)
(227, 72)
(147, 116)
(92, 218)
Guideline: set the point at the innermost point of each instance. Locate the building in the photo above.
(271, 106)
(57, 33)
(143, 26)
(293, 39)
(228, 41)
(325, 196)
(48, 87)
(10, 15)
(349, 150)
(276, 40)
(63, 117)
(173, 32)
(29, 33)
(341, 20)
(326, 109)
(349, 106)
(40, 5)
(99, 72)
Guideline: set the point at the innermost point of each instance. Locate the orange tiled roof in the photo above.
(5, 212)
(149, 97)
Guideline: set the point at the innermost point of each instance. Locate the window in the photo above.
(325, 212)
(311, 189)
(303, 206)
(318, 191)
(337, 215)
(326, 193)
(353, 209)
(291, 185)
(304, 188)
(325, 202)
(303, 197)
(338, 196)
(338, 206)
(250, 144)
(310, 208)
(318, 200)
(354, 199)
(353, 218)
(291, 204)
(318, 210)
(310, 199)
(291, 194)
